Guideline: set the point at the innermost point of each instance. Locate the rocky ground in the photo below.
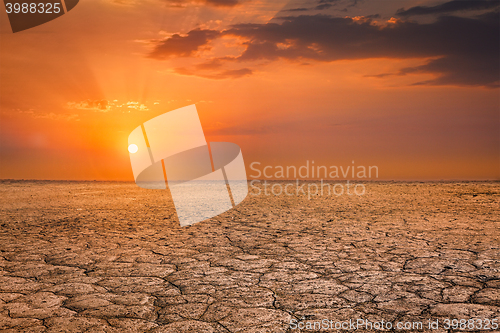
(111, 257)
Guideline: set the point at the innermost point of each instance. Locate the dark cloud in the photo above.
(222, 3)
(185, 3)
(211, 64)
(302, 9)
(327, 38)
(456, 69)
(453, 70)
(468, 48)
(215, 3)
(216, 75)
(463, 51)
(183, 46)
(325, 4)
(449, 7)
(321, 4)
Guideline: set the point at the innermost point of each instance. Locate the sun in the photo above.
(133, 148)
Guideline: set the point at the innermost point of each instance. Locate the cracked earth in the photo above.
(111, 257)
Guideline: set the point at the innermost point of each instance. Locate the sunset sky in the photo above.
(409, 86)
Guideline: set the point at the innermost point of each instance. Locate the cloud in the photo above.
(462, 50)
(94, 105)
(467, 48)
(325, 4)
(184, 3)
(301, 9)
(217, 75)
(105, 105)
(183, 46)
(456, 69)
(222, 3)
(326, 38)
(134, 105)
(449, 7)
(215, 3)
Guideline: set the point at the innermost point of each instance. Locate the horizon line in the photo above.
(266, 179)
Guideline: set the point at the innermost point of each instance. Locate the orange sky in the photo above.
(65, 85)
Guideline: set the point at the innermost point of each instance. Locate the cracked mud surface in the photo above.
(111, 257)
